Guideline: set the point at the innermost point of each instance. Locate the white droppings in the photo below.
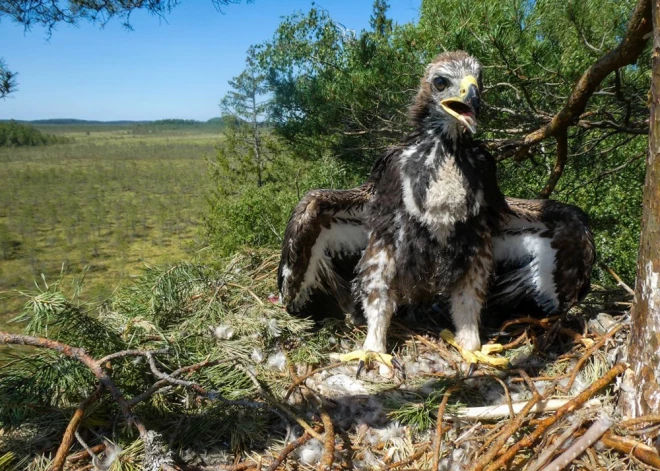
(650, 287)
(342, 385)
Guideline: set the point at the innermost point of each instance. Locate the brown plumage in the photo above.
(432, 222)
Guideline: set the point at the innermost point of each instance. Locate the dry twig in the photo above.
(627, 446)
(588, 353)
(438, 432)
(570, 406)
(592, 435)
(328, 442)
(67, 440)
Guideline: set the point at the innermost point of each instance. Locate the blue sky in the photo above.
(172, 68)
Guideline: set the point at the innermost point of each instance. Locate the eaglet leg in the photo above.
(376, 273)
(466, 302)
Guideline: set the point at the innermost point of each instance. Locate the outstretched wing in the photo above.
(323, 242)
(544, 255)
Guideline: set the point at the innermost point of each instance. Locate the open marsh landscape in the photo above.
(112, 199)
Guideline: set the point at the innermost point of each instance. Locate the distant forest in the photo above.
(24, 133)
(15, 134)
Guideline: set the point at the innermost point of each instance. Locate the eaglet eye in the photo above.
(440, 83)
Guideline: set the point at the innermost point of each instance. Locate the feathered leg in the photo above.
(468, 297)
(376, 273)
(466, 302)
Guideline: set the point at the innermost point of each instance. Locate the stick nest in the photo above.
(194, 367)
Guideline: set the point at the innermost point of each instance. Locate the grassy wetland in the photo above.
(112, 199)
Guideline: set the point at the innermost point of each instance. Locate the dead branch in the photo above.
(151, 440)
(592, 435)
(290, 448)
(130, 353)
(570, 406)
(81, 455)
(549, 451)
(627, 446)
(301, 379)
(645, 419)
(588, 354)
(67, 440)
(497, 412)
(560, 163)
(159, 385)
(328, 442)
(438, 431)
(506, 433)
(279, 406)
(619, 281)
(415, 456)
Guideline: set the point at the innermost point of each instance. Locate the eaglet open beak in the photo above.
(466, 106)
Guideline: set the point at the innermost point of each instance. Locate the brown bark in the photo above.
(69, 434)
(560, 163)
(642, 384)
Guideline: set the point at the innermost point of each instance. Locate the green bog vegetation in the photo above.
(98, 201)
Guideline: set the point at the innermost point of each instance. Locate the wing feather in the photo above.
(323, 241)
(544, 254)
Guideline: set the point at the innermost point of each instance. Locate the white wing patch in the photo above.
(339, 238)
(535, 278)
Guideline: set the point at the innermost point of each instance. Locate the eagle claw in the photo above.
(365, 357)
(478, 356)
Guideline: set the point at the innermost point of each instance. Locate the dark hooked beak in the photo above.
(465, 107)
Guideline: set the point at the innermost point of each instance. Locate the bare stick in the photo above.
(328, 443)
(497, 412)
(645, 419)
(438, 432)
(301, 379)
(619, 281)
(511, 428)
(547, 454)
(81, 455)
(67, 441)
(573, 404)
(588, 353)
(592, 435)
(415, 456)
(129, 353)
(289, 448)
(627, 446)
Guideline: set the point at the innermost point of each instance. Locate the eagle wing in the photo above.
(323, 242)
(544, 254)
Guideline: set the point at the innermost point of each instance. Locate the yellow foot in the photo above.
(477, 356)
(366, 357)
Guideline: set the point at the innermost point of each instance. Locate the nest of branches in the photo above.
(199, 368)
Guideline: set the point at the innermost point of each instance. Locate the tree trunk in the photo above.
(641, 387)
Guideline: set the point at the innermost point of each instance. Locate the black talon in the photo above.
(472, 368)
(399, 366)
(359, 368)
